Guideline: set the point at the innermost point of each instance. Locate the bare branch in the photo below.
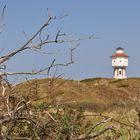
(114, 120)
(2, 19)
(95, 136)
(3, 11)
(99, 123)
(17, 108)
(18, 138)
(50, 66)
(25, 46)
(43, 70)
(57, 35)
(51, 116)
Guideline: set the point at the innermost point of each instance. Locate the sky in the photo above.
(114, 23)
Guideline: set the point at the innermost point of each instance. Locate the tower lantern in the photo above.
(119, 63)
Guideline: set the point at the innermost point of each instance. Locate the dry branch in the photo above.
(99, 123)
(95, 136)
(21, 113)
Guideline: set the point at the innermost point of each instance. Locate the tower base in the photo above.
(119, 77)
(119, 73)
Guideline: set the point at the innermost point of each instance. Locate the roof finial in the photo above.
(119, 48)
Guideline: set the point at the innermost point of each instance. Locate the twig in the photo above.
(95, 136)
(102, 122)
(51, 116)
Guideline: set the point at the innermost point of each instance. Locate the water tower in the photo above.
(119, 63)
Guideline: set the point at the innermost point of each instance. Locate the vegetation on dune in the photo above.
(97, 93)
(77, 110)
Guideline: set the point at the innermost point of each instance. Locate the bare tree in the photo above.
(16, 112)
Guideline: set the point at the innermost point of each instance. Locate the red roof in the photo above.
(120, 55)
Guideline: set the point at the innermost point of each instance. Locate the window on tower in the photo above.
(120, 72)
(120, 61)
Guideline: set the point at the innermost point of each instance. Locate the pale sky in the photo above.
(113, 22)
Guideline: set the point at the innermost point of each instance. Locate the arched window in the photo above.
(120, 72)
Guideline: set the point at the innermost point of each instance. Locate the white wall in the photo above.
(119, 61)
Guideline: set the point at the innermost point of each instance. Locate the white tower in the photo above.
(119, 63)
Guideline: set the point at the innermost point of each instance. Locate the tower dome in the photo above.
(119, 63)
